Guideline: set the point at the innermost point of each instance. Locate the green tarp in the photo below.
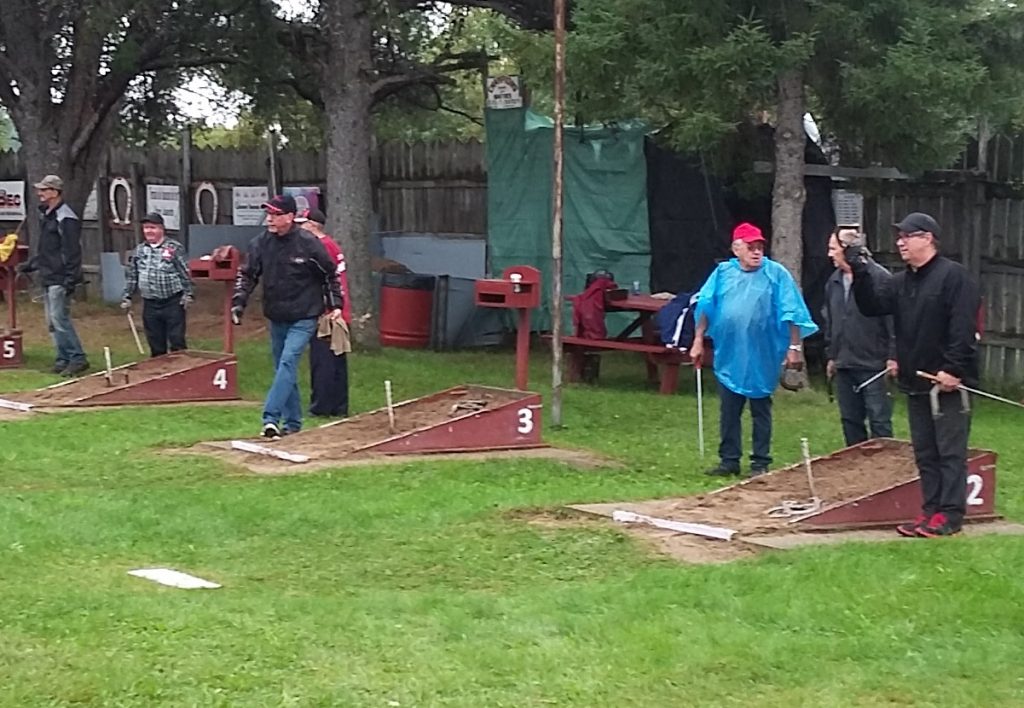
(605, 204)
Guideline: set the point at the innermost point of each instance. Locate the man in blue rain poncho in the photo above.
(752, 310)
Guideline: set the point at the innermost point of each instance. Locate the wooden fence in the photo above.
(437, 188)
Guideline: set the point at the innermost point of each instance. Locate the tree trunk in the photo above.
(788, 194)
(347, 102)
(44, 151)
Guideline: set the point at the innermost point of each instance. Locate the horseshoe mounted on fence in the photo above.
(115, 214)
(208, 188)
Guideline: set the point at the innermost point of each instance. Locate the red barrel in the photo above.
(406, 308)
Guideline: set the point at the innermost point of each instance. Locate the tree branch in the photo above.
(528, 14)
(428, 75)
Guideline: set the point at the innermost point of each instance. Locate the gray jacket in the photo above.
(853, 340)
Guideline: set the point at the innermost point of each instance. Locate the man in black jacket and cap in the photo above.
(58, 260)
(934, 304)
(299, 281)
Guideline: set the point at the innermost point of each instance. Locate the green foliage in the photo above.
(898, 81)
(8, 136)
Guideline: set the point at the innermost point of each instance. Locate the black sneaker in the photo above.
(271, 431)
(910, 529)
(723, 472)
(291, 431)
(757, 471)
(58, 367)
(938, 525)
(75, 368)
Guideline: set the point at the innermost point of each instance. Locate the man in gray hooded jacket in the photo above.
(857, 348)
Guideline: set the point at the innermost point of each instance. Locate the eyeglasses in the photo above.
(914, 234)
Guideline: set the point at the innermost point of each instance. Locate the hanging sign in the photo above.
(246, 209)
(12, 201)
(164, 199)
(504, 92)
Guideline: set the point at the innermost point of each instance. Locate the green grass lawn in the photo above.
(415, 585)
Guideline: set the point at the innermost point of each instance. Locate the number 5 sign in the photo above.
(10, 350)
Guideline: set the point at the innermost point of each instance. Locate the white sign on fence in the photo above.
(12, 201)
(245, 205)
(504, 92)
(165, 200)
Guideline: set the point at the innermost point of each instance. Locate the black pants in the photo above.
(872, 402)
(940, 450)
(730, 430)
(328, 379)
(164, 323)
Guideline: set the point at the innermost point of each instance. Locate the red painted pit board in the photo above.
(514, 424)
(902, 501)
(213, 378)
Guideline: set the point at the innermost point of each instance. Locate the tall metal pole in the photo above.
(272, 153)
(186, 185)
(556, 221)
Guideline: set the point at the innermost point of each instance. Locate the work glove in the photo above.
(236, 314)
(187, 300)
(854, 244)
(126, 303)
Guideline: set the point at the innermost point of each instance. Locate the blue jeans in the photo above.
(58, 321)
(730, 429)
(288, 340)
(872, 402)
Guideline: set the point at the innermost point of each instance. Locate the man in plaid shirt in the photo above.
(160, 273)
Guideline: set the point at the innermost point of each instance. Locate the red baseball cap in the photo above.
(747, 233)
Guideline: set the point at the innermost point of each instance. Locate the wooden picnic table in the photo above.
(662, 362)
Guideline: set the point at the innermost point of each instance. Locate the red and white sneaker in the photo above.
(910, 529)
(938, 525)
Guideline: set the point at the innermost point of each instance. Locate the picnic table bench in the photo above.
(662, 362)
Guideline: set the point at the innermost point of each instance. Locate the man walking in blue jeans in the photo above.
(856, 349)
(58, 260)
(298, 279)
(751, 308)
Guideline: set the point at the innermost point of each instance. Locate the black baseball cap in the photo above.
(279, 204)
(918, 221)
(153, 218)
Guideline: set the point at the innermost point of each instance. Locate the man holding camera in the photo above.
(934, 304)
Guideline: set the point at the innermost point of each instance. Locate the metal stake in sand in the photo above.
(791, 507)
(391, 406)
(700, 409)
(135, 333)
(805, 448)
(110, 368)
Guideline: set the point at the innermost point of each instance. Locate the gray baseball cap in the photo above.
(50, 182)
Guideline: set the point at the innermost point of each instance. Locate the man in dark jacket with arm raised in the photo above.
(934, 304)
(299, 280)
